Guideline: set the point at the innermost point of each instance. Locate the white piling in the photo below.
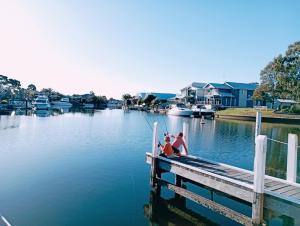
(186, 135)
(291, 173)
(154, 155)
(155, 140)
(258, 124)
(259, 178)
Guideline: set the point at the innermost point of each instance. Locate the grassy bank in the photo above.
(252, 112)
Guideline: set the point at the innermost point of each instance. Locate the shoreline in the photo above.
(283, 120)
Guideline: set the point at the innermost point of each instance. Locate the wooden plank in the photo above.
(278, 186)
(232, 188)
(225, 211)
(292, 192)
(296, 196)
(271, 183)
(285, 189)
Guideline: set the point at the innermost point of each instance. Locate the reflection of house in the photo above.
(193, 92)
(161, 96)
(112, 103)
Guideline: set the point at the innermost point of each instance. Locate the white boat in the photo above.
(41, 103)
(202, 110)
(180, 110)
(63, 103)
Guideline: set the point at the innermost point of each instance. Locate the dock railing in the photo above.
(292, 154)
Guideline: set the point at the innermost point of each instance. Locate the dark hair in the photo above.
(180, 134)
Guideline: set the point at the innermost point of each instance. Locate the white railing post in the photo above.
(258, 124)
(291, 172)
(155, 140)
(259, 176)
(185, 132)
(153, 171)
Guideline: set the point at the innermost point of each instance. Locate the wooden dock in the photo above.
(259, 190)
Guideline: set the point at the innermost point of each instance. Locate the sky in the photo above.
(114, 47)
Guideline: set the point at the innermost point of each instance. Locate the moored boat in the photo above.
(41, 103)
(180, 110)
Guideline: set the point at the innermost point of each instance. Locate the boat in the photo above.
(180, 110)
(41, 103)
(62, 104)
(200, 110)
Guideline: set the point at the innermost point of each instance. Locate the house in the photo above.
(193, 93)
(284, 103)
(219, 94)
(228, 94)
(113, 103)
(242, 93)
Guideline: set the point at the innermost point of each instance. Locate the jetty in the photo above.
(251, 187)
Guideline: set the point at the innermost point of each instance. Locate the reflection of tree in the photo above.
(160, 211)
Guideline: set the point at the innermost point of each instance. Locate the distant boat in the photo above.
(180, 110)
(89, 106)
(41, 103)
(63, 103)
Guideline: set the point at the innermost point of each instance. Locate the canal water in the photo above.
(89, 168)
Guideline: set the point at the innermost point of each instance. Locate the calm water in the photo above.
(89, 169)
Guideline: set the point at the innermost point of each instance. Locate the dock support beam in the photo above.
(153, 172)
(258, 124)
(259, 176)
(186, 135)
(291, 173)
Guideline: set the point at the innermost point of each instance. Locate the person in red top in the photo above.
(166, 149)
(178, 142)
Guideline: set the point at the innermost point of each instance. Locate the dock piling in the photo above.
(154, 154)
(291, 173)
(186, 134)
(259, 176)
(258, 124)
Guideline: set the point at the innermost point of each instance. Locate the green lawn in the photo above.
(252, 112)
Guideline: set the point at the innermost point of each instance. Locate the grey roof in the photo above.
(237, 85)
(219, 85)
(287, 101)
(197, 85)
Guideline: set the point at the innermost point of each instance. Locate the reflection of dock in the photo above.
(163, 212)
(255, 188)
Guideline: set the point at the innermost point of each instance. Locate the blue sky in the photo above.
(113, 47)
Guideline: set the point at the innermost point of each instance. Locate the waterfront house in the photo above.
(219, 94)
(228, 94)
(242, 93)
(114, 104)
(193, 93)
(283, 103)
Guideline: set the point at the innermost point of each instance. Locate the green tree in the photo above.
(281, 77)
(149, 98)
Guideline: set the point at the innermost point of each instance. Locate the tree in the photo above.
(281, 77)
(31, 87)
(149, 99)
(127, 98)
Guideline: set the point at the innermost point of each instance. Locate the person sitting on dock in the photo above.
(178, 142)
(167, 149)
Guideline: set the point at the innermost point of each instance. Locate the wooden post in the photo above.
(186, 135)
(259, 176)
(291, 173)
(154, 154)
(258, 124)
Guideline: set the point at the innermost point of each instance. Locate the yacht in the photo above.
(63, 103)
(199, 110)
(41, 103)
(180, 110)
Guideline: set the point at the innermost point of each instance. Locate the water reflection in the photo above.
(172, 211)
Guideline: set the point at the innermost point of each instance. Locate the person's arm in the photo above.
(162, 147)
(185, 147)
